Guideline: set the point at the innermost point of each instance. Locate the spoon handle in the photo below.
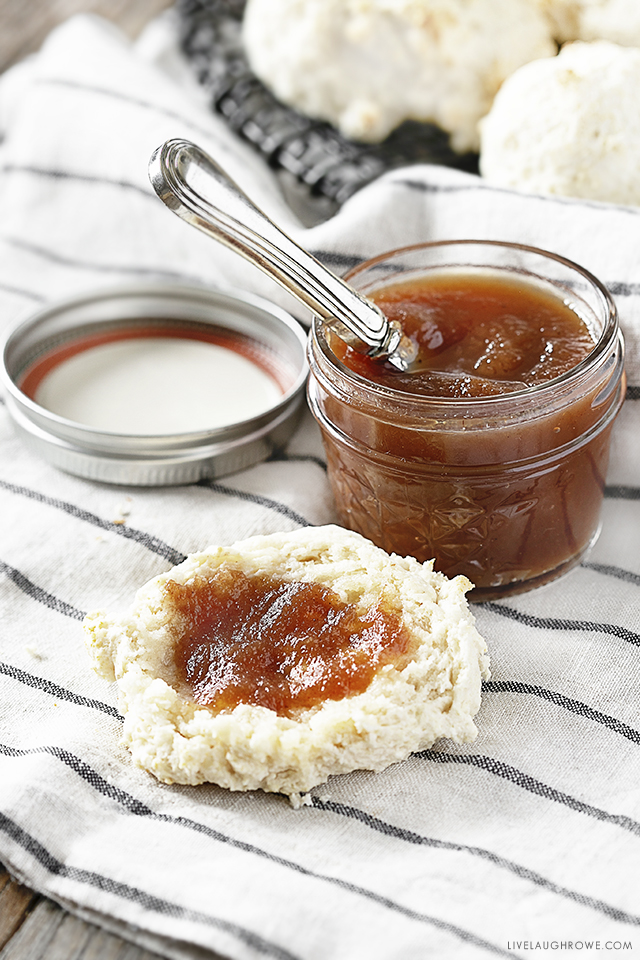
(192, 184)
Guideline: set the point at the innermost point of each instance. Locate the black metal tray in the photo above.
(323, 162)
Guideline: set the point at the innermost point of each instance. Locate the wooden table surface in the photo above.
(34, 928)
(31, 926)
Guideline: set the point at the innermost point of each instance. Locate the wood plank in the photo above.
(69, 938)
(33, 937)
(50, 933)
(35, 928)
(16, 902)
(105, 946)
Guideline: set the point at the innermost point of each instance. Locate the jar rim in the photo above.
(609, 336)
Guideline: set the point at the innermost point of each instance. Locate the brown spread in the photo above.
(279, 644)
(477, 335)
(454, 460)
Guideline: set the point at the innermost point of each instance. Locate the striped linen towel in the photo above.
(527, 840)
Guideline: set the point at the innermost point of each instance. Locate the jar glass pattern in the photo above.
(505, 489)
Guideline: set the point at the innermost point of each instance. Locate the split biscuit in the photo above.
(183, 730)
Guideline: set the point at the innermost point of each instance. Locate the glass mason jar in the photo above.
(505, 489)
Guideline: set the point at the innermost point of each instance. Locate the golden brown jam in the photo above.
(490, 453)
(477, 336)
(279, 644)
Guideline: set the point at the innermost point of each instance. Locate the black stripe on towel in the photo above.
(55, 690)
(489, 686)
(344, 261)
(37, 593)
(622, 493)
(555, 623)
(532, 785)
(610, 571)
(53, 256)
(139, 809)
(54, 174)
(477, 185)
(125, 98)
(21, 292)
(575, 706)
(136, 895)
(524, 873)
(282, 456)
(256, 498)
(85, 772)
(147, 540)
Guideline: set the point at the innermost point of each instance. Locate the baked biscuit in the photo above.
(280, 660)
(367, 65)
(568, 125)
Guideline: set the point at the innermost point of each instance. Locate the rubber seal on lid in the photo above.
(156, 384)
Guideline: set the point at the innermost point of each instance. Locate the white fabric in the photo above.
(529, 836)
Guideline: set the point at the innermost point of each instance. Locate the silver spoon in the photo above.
(192, 184)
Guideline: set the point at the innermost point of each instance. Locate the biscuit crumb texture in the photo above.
(615, 20)
(568, 126)
(436, 693)
(367, 65)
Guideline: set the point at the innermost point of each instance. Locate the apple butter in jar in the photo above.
(490, 453)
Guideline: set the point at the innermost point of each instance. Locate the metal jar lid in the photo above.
(267, 336)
